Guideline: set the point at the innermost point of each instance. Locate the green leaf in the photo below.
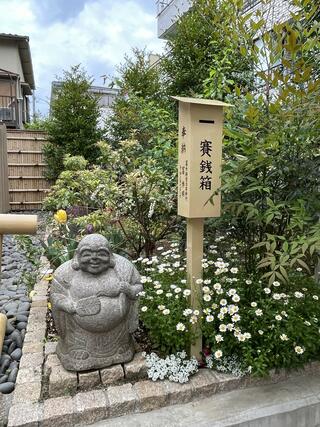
(304, 265)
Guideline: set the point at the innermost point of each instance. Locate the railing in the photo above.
(8, 106)
(249, 4)
(162, 4)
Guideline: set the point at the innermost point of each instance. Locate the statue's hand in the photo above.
(68, 306)
(125, 288)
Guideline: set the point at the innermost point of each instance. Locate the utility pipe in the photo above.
(16, 224)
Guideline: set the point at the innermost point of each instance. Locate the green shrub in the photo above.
(74, 163)
(73, 125)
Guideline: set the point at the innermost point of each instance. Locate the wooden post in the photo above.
(4, 181)
(195, 228)
(3, 323)
(1, 241)
(199, 171)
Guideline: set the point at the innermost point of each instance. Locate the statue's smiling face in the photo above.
(94, 260)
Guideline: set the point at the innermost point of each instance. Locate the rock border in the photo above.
(47, 395)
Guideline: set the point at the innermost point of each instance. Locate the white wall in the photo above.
(275, 12)
(9, 57)
(169, 15)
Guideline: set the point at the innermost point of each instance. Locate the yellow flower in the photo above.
(61, 216)
(48, 278)
(32, 294)
(49, 305)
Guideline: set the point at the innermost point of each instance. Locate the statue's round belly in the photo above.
(113, 311)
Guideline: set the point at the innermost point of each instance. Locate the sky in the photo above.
(94, 33)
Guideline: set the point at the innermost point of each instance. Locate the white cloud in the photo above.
(100, 33)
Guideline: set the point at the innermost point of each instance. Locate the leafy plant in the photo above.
(62, 241)
(74, 163)
(271, 157)
(33, 253)
(73, 126)
(203, 55)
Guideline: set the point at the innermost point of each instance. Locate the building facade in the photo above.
(169, 11)
(16, 80)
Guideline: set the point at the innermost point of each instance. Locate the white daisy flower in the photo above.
(180, 327)
(298, 349)
(235, 318)
(218, 338)
(298, 295)
(218, 354)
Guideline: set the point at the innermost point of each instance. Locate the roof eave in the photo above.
(26, 61)
(25, 56)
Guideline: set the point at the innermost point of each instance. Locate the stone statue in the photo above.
(94, 306)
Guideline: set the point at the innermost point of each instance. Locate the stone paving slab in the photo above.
(136, 369)
(122, 400)
(112, 375)
(29, 392)
(88, 380)
(62, 382)
(294, 402)
(90, 407)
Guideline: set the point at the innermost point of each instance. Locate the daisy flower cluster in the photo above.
(164, 302)
(175, 367)
(241, 316)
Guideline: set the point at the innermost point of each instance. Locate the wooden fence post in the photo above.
(4, 182)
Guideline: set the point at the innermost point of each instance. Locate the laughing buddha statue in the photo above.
(94, 306)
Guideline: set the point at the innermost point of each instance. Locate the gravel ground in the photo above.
(15, 304)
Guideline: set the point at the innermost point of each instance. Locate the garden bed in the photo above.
(46, 393)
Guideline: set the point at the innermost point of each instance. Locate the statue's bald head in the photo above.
(93, 254)
(94, 240)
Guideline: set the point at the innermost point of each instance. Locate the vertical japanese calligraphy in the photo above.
(206, 165)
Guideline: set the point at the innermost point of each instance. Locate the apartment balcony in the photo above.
(168, 13)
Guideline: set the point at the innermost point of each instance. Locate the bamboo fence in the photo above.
(27, 184)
